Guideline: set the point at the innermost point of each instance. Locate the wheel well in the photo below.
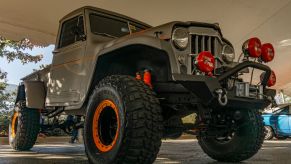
(20, 93)
(131, 59)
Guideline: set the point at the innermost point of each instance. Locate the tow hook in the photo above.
(222, 97)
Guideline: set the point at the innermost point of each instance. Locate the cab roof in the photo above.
(82, 9)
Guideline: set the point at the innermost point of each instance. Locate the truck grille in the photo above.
(201, 43)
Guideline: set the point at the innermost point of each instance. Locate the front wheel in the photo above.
(238, 144)
(123, 122)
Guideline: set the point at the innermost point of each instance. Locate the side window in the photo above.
(71, 31)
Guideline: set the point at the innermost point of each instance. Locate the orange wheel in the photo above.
(124, 122)
(14, 124)
(106, 125)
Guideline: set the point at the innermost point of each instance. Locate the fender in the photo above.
(130, 40)
(144, 40)
(33, 93)
(116, 47)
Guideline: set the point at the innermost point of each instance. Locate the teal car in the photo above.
(278, 122)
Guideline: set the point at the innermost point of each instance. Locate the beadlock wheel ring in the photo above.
(14, 123)
(106, 125)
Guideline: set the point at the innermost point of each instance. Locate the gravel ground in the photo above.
(172, 151)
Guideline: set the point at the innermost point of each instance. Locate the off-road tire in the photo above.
(140, 132)
(27, 127)
(269, 133)
(248, 139)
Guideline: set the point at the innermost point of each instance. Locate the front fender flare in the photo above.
(33, 93)
(142, 40)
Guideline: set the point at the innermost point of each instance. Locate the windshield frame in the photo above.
(129, 23)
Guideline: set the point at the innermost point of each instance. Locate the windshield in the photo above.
(110, 27)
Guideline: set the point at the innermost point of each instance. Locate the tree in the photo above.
(12, 50)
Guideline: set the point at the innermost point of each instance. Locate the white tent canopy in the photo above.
(240, 19)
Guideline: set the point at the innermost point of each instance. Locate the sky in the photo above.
(16, 70)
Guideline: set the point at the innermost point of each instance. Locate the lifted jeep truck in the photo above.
(134, 84)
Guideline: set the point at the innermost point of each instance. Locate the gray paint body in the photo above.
(67, 81)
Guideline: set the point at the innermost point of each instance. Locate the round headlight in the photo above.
(180, 38)
(228, 53)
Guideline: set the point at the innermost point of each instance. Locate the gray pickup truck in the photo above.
(135, 84)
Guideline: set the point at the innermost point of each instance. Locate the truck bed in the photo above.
(40, 75)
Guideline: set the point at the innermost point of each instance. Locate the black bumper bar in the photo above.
(204, 87)
(244, 65)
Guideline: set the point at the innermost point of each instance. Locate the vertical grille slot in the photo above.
(199, 44)
(196, 41)
(212, 45)
(209, 48)
(202, 43)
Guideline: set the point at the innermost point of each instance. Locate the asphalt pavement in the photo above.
(172, 151)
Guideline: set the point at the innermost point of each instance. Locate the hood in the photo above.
(164, 31)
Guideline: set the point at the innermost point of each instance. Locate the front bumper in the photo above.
(205, 87)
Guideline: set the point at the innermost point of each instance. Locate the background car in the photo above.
(278, 122)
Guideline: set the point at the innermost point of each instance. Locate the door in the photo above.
(67, 67)
(289, 119)
(281, 121)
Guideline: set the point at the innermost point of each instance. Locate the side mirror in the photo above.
(82, 37)
(79, 33)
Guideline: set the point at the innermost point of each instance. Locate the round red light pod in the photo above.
(268, 52)
(272, 79)
(253, 47)
(205, 61)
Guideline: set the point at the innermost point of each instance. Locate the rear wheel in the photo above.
(238, 144)
(123, 122)
(269, 134)
(24, 128)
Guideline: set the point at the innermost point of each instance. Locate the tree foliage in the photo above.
(5, 98)
(12, 50)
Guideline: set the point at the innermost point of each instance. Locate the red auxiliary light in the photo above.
(272, 79)
(252, 47)
(268, 52)
(205, 61)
